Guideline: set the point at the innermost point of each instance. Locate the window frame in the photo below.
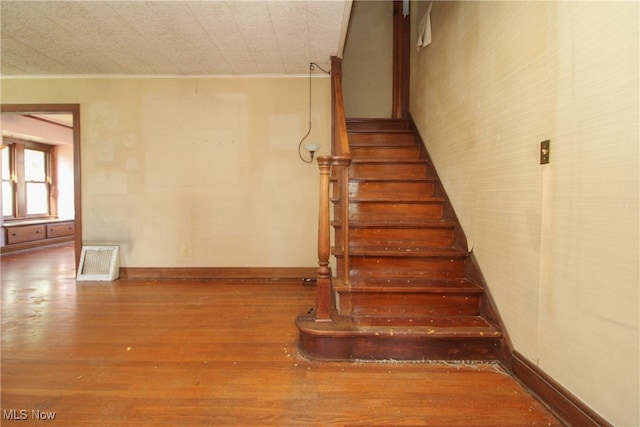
(19, 183)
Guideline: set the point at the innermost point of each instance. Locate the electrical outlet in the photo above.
(184, 251)
(544, 152)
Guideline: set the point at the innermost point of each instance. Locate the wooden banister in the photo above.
(340, 160)
(340, 141)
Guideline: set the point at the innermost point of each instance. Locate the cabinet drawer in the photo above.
(25, 234)
(62, 229)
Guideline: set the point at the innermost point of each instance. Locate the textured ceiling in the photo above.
(207, 37)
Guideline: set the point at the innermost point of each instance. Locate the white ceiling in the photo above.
(159, 37)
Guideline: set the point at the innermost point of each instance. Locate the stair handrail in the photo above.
(340, 160)
(340, 141)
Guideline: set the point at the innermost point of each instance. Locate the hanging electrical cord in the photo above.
(312, 66)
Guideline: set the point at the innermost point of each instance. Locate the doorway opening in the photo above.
(65, 116)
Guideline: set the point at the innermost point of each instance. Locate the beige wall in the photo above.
(558, 243)
(368, 60)
(195, 171)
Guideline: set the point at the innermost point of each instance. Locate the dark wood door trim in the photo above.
(401, 61)
(74, 110)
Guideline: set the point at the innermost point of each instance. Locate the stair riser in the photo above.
(388, 171)
(397, 348)
(376, 125)
(401, 237)
(397, 153)
(413, 305)
(390, 190)
(392, 267)
(395, 211)
(390, 138)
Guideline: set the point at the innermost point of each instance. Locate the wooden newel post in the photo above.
(323, 304)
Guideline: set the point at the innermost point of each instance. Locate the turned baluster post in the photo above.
(344, 200)
(343, 162)
(323, 304)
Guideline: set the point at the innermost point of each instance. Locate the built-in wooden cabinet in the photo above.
(61, 229)
(25, 235)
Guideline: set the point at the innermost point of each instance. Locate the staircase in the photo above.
(413, 293)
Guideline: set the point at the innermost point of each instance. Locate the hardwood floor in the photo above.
(192, 352)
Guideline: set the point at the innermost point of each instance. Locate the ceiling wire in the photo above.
(312, 66)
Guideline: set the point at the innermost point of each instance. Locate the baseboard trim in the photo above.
(215, 273)
(489, 310)
(567, 407)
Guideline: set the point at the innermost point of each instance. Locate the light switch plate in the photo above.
(544, 152)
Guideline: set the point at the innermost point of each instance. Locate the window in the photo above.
(35, 177)
(26, 179)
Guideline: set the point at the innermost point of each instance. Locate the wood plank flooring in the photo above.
(191, 352)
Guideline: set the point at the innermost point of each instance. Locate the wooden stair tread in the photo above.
(399, 180)
(402, 252)
(436, 327)
(391, 200)
(426, 179)
(398, 284)
(370, 168)
(397, 223)
(378, 131)
(388, 161)
(399, 248)
(434, 252)
(383, 144)
(377, 125)
(391, 132)
(450, 325)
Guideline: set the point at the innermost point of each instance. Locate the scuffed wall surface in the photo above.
(195, 171)
(558, 243)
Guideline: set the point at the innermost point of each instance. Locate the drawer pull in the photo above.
(14, 234)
